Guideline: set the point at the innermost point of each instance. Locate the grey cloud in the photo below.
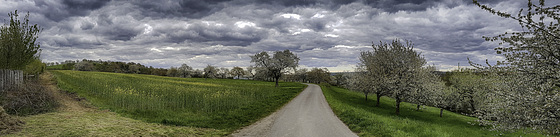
(69, 8)
(179, 8)
(87, 25)
(171, 32)
(228, 34)
(410, 5)
(79, 42)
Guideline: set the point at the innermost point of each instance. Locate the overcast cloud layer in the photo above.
(224, 33)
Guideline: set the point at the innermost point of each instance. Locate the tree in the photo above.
(301, 74)
(262, 73)
(198, 73)
(528, 91)
(373, 74)
(172, 72)
(84, 66)
(238, 71)
(280, 63)
(361, 83)
(427, 84)
(223, 72)
(134, 68)
(399, 68)
(185, 71)
(35, 68)
(443, 97)
(341, 78)
(318, 75)
(471, 88)
(210, 71)
(251, 72)
(18, 45)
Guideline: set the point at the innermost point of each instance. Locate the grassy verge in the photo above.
(222, 104)
(101, 123)
(367, 120)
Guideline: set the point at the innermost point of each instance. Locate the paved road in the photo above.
(307, 115)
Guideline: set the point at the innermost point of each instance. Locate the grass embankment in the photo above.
(367, 120)
(222, 104)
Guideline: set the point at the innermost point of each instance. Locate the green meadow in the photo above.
(364, 118)
(223, 104)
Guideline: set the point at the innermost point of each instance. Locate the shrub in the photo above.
(29, 99)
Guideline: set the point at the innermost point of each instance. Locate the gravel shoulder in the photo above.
(307, 115)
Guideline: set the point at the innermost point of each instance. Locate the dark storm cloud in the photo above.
(215, 34)
(69, 8)
(179, 8)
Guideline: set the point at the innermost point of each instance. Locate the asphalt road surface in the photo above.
(307, 115)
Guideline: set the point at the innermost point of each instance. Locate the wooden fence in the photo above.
(10, 78)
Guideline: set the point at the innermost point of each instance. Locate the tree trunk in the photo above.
(398, 104)
(276, 81)
(471, 101)
(366, 96)
(472, 106)
(378, 98)
(417, 107)
(441, 112)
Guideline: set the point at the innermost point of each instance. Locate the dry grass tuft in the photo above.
(9, 124)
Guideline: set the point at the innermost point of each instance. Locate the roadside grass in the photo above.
(222, 104)
(367, 120)
(101, 123)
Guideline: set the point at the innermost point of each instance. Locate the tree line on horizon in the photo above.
(313, 75)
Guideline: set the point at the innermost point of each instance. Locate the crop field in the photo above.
(223, 104)
(368, 120)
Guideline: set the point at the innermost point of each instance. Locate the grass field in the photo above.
(364, 118)
(54, 67)
(222, 104)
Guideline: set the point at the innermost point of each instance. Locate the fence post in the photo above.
(10, 78)
(2, 79)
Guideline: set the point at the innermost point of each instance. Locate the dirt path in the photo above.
(307, 115)
(68, 102)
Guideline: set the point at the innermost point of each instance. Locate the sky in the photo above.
(225, 33)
